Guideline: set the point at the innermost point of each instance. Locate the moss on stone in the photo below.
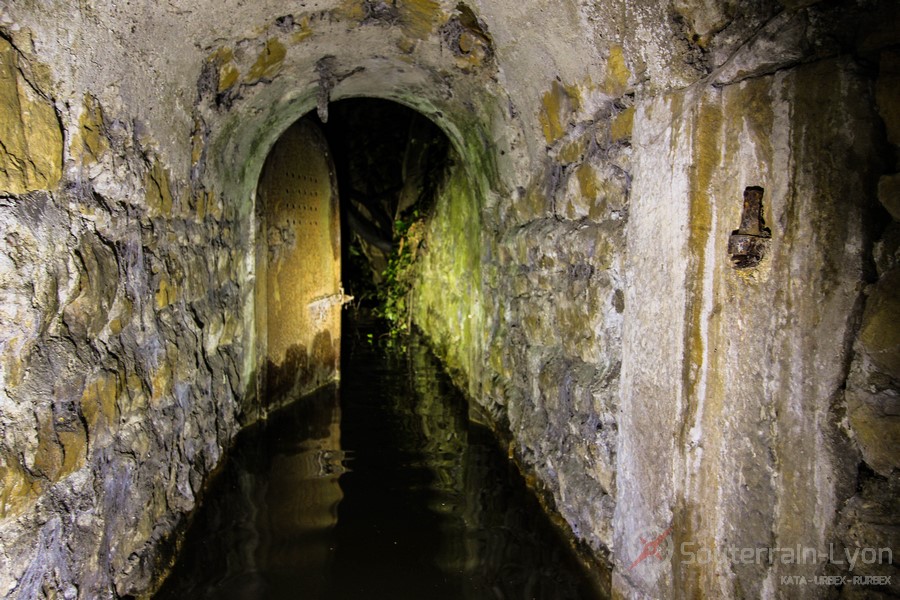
(447, 289)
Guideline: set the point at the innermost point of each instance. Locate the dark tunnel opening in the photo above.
(342, 209)
(391, 162)
(378, 485)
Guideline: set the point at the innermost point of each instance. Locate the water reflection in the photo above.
(380, 490)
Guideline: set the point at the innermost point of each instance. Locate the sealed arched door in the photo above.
(299, 293)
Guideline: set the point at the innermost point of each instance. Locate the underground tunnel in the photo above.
(340, 208)
(378, 486)
(657, 259)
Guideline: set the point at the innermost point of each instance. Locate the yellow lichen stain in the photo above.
(15, 366)
(158, 189)
(48, 459)
(18, 489)
(93, 142)
(573, 151)
(475, 50)
(708, 128)
(587, 181)
(557, 104)
(406, 45)
(305, 30)
(32, 149)
(159, 193)
(199, 203)
(74, 445)
(228, 74)
(533, 205)
(419, 17)
(617, 73)
(197, 146)
(166, 294)
(269, 61)
(134, 400)
(214, 206)
(99, 402)
(115, 326)
(621, 126)
(161, 384)
(351, 10)
(754, 105)
(705, 145)
(230, 327)
(123, 309)
(204, 204)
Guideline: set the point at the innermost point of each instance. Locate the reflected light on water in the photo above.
(380, 489)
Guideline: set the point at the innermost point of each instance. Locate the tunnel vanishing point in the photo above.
(664, 264)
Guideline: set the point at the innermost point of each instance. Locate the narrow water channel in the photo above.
(381, 489)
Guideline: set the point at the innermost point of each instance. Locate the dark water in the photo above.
(381, 489)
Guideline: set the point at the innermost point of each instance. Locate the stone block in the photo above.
(876, 425)
(31, 142)
(880, 331)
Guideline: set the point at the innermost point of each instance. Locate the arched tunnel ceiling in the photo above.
(438, 63)
(460, 64)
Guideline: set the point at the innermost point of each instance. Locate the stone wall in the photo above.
(750, 362)
(649, 383)
(575, 275)
(119, 357)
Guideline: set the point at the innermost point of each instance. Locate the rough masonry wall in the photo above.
(873, 385)
(647, 382)
(132, 141)
(119, 367)
(575, 275)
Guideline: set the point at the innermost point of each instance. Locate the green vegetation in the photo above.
(395, 290)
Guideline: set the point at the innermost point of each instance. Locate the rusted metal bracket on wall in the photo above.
(747, 245)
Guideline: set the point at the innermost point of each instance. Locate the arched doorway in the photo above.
(389, 163)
